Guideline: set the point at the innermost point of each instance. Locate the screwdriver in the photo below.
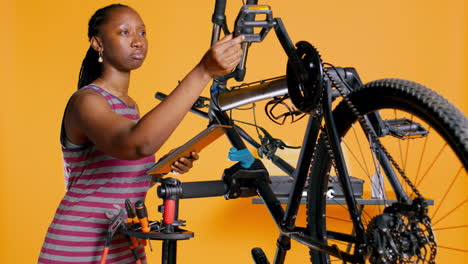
(142, 214)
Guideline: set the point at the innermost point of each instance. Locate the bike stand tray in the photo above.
(157, 234)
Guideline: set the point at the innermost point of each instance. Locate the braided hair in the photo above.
(91, 69)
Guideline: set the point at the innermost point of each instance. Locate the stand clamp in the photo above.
(243, 182)
(170, 191)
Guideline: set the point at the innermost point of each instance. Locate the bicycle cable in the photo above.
(254, 117)
(256, 83)
(267, 135)
(292, 111)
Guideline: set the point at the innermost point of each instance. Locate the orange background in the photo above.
(45, 41)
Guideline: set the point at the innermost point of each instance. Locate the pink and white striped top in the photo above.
(94, 182)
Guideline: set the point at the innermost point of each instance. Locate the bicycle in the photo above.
(381, 186)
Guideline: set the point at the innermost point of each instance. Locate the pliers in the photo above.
(117, 223)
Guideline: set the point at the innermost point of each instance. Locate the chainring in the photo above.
(305, 95)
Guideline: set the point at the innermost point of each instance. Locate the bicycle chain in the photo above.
(427, 223)
(426, 220)
(319, 113)
(371, 133)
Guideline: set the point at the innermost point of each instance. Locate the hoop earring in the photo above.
(100, 59)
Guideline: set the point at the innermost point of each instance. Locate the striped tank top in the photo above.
(95, 182)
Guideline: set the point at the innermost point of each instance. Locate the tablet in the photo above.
(196, 144)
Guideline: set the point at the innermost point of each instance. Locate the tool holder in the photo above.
(236, 182)
(168, 230)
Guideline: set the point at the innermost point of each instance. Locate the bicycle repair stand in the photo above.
(168, 230)
(237, 181)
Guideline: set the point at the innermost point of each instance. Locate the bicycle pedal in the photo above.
(405, 129)
(246, 22)
(259, 256)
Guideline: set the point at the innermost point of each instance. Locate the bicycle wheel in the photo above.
(428, 138)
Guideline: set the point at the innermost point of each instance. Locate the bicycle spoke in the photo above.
(347, 210)
(423, 151)
(432, 164)
(399, 141)
(364, 220)
(417, 168)
(339, 219)
(404, 165)
(338, 242)
(450, 227)
(407, 148)
(365, 170)
(446, 192)
(449, 213)
(450, 248)
(340, 204)
(401, 154)
(380, 183)
(360, 150)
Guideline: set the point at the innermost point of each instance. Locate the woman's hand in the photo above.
(183, 165)
(222, 57)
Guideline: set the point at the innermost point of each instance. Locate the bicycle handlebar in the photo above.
(219, 22)
(218, 15)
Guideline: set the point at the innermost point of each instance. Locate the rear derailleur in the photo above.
(402, 234)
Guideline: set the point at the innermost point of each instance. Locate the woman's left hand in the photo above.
(184, 164)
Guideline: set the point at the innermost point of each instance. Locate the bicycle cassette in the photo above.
(306, 94)
(402, 234)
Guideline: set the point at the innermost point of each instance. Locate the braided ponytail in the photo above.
(91, 69)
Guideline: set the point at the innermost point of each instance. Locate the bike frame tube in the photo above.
(374, 122)
(341, 168)
(223, 101)
(331, 250)
(250, 94)
(350, 81)
(301, 172)
(295, 195)
(232, 134)
(285, 220)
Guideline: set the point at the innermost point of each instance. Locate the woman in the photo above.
(106, 147)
